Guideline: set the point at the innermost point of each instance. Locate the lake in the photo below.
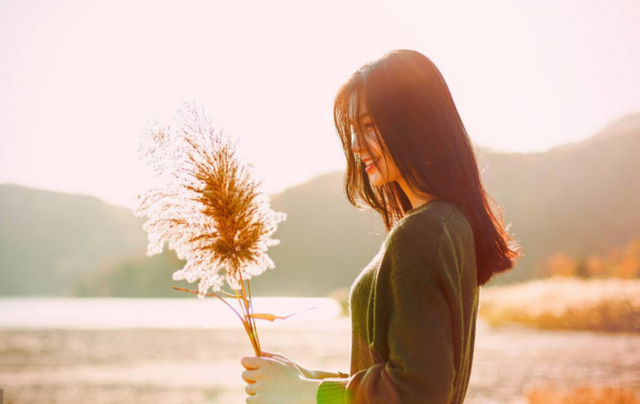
(119, 313)
(189, 350)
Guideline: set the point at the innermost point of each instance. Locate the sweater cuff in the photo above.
(332, 391)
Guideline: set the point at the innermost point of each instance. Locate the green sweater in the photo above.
(413, 312)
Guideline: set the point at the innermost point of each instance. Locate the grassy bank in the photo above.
(583, 395)
(562, 303)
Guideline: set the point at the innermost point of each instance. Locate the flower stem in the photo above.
(243, 304)
(252, 318)
(244, 322)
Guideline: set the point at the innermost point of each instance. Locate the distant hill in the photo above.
(325, 242)
(136, 276)
(49, 239)
(578, 198)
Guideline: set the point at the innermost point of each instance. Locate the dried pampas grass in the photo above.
(209, 209)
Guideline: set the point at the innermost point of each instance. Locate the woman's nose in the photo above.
(355, 144)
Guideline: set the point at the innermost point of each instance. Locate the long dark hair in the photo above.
(418, 125)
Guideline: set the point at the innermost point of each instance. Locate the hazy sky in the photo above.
(79, 79)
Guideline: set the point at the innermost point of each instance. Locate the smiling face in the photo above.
(379, 165)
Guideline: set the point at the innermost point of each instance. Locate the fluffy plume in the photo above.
(209, 208)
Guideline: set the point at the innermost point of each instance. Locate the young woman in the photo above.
(414, 307)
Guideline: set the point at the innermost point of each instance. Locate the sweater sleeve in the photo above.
(421, 354)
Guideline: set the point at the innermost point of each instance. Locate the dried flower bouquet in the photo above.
(209, 210)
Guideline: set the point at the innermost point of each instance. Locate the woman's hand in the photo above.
(277, 380)
(309, 374)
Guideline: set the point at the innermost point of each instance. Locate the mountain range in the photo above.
(580, 198)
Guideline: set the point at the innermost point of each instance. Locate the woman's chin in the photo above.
(375, 180)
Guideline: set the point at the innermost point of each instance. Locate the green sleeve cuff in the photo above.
(332, 391)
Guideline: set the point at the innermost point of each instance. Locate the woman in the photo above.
(414, 307)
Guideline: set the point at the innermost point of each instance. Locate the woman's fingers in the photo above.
(283, 359)
(250, 389)
(251, 376)
(276, 356)
(251, 362)
(270, 354)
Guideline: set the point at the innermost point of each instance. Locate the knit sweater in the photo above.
(413, 311)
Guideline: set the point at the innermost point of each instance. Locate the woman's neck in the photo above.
(416, 201)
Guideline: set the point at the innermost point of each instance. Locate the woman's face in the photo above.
(381, 170)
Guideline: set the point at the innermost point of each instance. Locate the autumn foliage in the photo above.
(623, 263)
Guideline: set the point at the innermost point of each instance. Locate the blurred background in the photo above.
(549, 92)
